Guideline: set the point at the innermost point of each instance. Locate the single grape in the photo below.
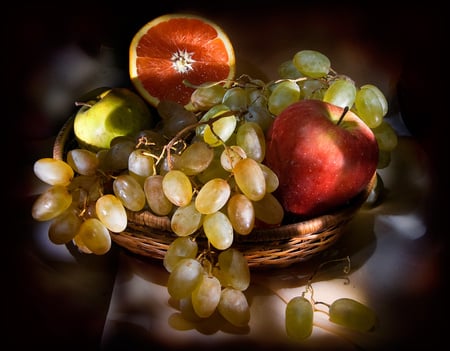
(64, 227)
(233, 271)
(341, 92)
(259, 114)
(371, 105)
(206, 96)
(241, 213)
(174, 117)
(111, 212)
(177, 187)
(250, 179)
(233, 306)
(212, 196)
(83, 161)
(181, 247)
(53, 171)
(352, 314)
(287, 70)
(250, 137)
(269, 209)
(183, 279)
(218, 230)
(272, 181)
(299, 318)
(186, 220)
(129, 192)
(386, 136)
(141, 165)
(284, 94)
(312, 63)
(94, 234)
(116, 157)
(236, 99)
(51, 203)
(206, 296)
(220, 130)
(195, 158)
(156, 199)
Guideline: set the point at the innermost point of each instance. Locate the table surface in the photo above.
(119, 301)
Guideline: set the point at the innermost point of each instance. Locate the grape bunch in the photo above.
(344, 311)
(202, 165)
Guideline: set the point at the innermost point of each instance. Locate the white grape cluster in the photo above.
(203, 166)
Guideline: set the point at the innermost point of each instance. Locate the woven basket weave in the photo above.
(295, 241)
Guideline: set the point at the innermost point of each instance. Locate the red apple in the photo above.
(321, 161)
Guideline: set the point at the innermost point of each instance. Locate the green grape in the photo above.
(287, 70)
(51, 203)
(352, 314)
(64, 227)
(272, 181)
(299, 318)
(251, 138)
(218, 230)
(312, 89)
(233, 306)
(129, 192)
(94, 234)
(236, 99)
(234, 269)
(384, 159)
(177, 187)
(283, 95)
(230, 156)
(83, 161)
(156, 199)
(371, 105)
(386, 136)
(341, 92)
(212, 196)
(269, 209)
(213, 112)
(141, 165)
(195, 158)
(181, 247)
(259, 114)
(220, 130)
(250, 179)
(312, 63)
(206, 296)
(186, 220)
(184, 277)
(241, 213)
(206, 96)
(53, 171)
(111, 212)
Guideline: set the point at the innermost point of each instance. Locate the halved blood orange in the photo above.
(174, 48)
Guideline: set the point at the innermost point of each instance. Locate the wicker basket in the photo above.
(295, 241)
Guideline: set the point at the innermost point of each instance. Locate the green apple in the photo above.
(114, 112)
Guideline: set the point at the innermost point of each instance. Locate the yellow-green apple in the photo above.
(321, 159)
(114, 112)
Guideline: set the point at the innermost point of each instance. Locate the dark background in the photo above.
(408, 38)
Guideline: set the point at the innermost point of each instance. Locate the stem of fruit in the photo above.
(188, 128)
(343, 115)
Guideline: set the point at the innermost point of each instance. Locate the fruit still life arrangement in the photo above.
(216, 174)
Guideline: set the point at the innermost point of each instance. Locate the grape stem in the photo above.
(167, 148)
